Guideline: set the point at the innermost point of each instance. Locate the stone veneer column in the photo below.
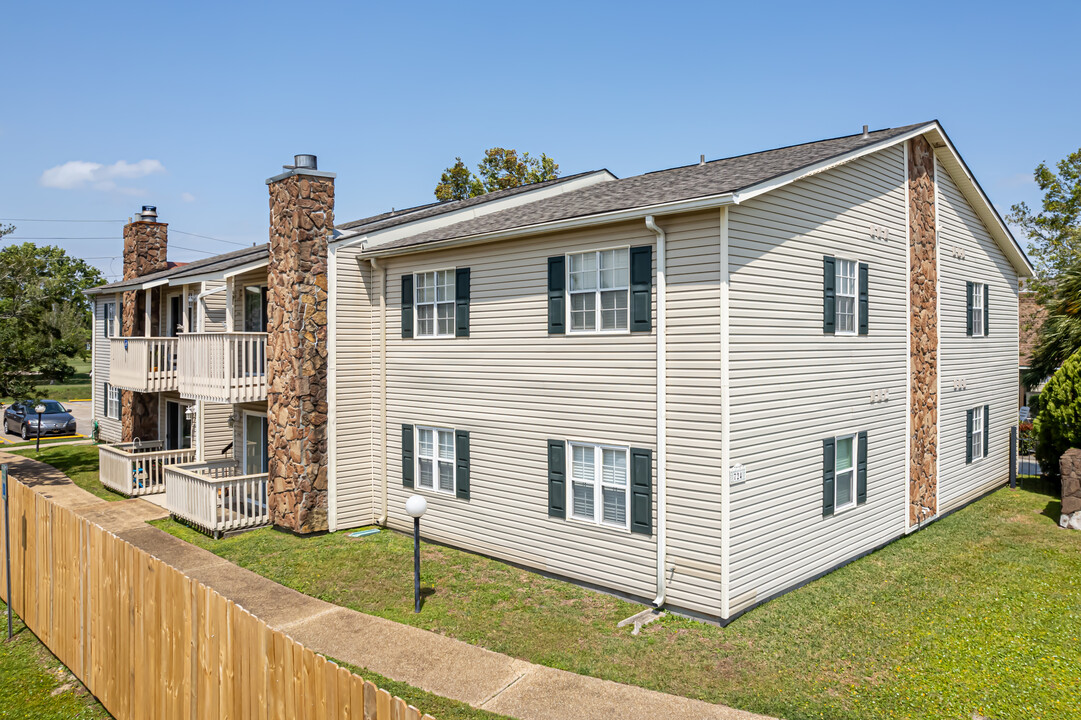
(145, 247)
(923, 312)
(301, 220)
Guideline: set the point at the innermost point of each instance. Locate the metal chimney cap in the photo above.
(149, 213)
(303, 162)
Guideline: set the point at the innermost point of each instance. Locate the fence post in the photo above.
(7, 541)
(1013, 457)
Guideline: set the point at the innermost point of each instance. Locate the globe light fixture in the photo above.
(415, 507)
(39, 409)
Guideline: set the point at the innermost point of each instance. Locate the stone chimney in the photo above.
(145, 244)
(301, 221)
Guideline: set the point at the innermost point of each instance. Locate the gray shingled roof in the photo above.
(682, 183)
(216, 263)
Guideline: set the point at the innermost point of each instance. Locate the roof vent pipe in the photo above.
(701, 159)
(149, 213)
(865, 133)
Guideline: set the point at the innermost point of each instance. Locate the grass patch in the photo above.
(978, 613)
(77, 388)
(34, 684)
(78, 462)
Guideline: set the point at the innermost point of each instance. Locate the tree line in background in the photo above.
(1054, 236)
(500, 169)
(45, 319)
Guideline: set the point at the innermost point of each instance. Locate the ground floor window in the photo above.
(599, 483)
(112, 401)
(978, 418)
(435, 459)
(845, 469)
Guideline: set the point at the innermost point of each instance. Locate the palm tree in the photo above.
(1060, 335)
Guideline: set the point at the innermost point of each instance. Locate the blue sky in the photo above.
(190, 106)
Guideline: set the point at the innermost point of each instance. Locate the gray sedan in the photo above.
(22, 420)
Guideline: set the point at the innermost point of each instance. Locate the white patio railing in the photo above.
(138, 468)
(215, 497)
(223, 367)
(143, 364)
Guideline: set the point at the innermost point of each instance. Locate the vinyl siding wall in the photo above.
(108, 429)
(513, 387)
(792, 385)
(356, 415)
(987, 365)
(213, 306)
(217, 435)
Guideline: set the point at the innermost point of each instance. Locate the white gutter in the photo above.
(662, 441)
(382, 388)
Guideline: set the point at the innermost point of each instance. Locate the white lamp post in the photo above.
(39, 409)
(415, 507)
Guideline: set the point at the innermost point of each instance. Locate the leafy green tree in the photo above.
(500, 169)
(1059, 336)
(1054, 233)
(1058, 426)
(45, 319)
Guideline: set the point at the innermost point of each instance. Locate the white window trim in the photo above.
(435, 460)
(837, 296)
(598, 496)
(112, 391)
(837, 507)
(435, 305)
(597, 294)
(244, 437)
(978, 292)
(977, 417)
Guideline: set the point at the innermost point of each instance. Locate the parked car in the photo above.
(20, 419)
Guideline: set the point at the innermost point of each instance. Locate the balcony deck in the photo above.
(227, 367)
(143, 364)
(214, 497)
(135, 469)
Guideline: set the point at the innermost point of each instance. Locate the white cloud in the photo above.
(187, 197)
(76, 174)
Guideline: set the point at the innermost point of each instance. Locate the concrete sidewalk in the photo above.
(423, 659)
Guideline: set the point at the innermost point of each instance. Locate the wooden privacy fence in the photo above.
(151, 642)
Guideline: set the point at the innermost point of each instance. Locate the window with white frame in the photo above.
(976, 438)
(977, 308)
(846, 296)
(435, 459)
(112, 402)
(599, 484)
(109, 314)
(599, 290)
(435, 303)
(845, 472)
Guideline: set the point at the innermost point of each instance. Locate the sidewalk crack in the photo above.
(503, 689)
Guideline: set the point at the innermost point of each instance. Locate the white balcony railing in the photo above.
(143, 364)
(138, 468)
(223, 367)
(215, 497)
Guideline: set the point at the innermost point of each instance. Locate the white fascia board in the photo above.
(636, 213)
(433, 222)
(223, 274)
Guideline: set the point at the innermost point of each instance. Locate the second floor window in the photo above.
(435, 303)
(846, 296)
(977, 296)
(109, 313)
(599, 288)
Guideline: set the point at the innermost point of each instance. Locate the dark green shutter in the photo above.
(829, 295)
(986, 309)
(642, 288)
(557, 478)
(461, 456)
(861, 469)
(968, 308)
(986, 428)
(557, 279)
(461, 302)
(863, 299)
(642, 491)
(828, 460)
(407, 456)
(968, 436)
(407, 306)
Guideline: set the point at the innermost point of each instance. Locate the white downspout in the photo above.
(662, 441)
(382, 388)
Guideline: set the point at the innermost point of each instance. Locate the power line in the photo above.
(25, 237)
(46, 220)
(207, 237)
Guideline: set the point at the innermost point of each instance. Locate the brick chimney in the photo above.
(301, 221)
(145, 244)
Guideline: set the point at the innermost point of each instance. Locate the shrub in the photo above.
(1058, 426)
(1026, 438)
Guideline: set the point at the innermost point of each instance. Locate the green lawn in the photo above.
(978, 613)
(78, 462)
(77, 388)
(33, 683)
